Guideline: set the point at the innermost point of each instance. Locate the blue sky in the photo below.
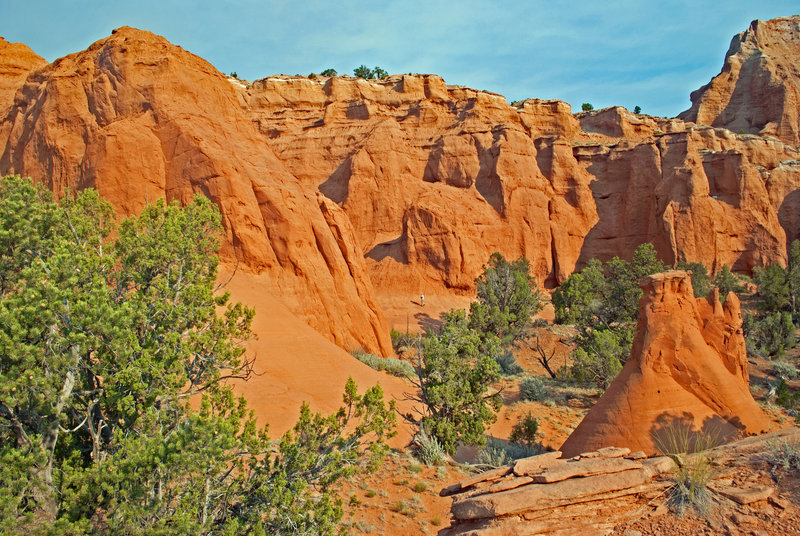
(651, 54)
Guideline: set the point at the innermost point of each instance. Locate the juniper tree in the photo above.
(114, 411)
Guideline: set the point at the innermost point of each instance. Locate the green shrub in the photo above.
(328, 72)
(785, 371)
(394, 366)
(493, 454)
(428, 449)
(783, 454)
(114, 401)
(769, 335)
(637, 110)
(701, 281)
(600, 357)
(401, 340)
(586, 107)
(526, 432)
(497, 453)
(453, 384)
(507, 299)
(532, 389)
(727, 282)
(362, 71)
(508, 363)
(787, 397)
(602, 301)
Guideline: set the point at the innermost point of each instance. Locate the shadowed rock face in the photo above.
(687, 375)
(758, 90)
(139, 119)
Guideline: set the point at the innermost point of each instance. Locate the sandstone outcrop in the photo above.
(758, 90)
(686, 376)
(698, 194)
(139, 119)
(434, 177)
(629, 491)
(16, 61)
(553, 494)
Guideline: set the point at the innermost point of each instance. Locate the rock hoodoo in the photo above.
(687, 373)
(758, 90)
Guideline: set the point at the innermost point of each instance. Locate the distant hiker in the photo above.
(422, 299)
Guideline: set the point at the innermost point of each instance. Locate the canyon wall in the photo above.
(345, 190)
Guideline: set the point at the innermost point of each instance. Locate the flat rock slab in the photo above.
(750, 494)
(507, 484)
(534, 497)
(586, 467)
(486, 476)
(536, 464)
(613, 452)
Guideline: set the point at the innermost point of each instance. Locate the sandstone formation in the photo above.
(434, 178)
(139, 119)
(546, 494)
(349, 193)
(16, 61)
(605, 491)
(697, 193)
(686, 376)
(758, 90)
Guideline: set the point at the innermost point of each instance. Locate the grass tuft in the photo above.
(783, 454)
(692, 453)
(428, 449)
(419, 487)
(394, 366)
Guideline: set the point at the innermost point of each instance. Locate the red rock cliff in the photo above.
(139, 119)
(334, 185)
(435, 178)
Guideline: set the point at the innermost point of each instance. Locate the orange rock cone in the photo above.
(687, 371)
